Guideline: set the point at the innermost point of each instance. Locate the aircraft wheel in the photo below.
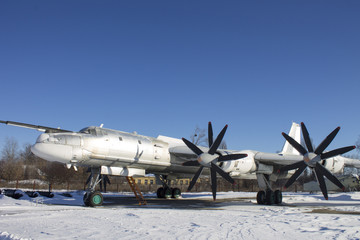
(95, 199)
(176, 193)
(270, 197)
(278, 197)
(261, 197)
(160, 193)
(86, 199)
(168, 193)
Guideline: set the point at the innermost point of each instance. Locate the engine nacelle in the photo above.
(240, 166)
(334, 165)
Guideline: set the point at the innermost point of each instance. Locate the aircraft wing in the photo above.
(183, 152)
(277, 159)
(36, 127)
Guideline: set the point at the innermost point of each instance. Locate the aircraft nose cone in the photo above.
(52, 152)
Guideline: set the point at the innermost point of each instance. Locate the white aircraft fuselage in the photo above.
(117, 152)
(111, 149)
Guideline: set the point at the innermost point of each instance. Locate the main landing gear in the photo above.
(267, 197)
(93, 198)
(165, 191)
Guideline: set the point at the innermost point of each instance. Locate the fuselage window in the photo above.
(139, 141)
(120, 139)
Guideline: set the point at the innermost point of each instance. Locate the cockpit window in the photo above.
(85, 130)
(88, 130)
(100, 132)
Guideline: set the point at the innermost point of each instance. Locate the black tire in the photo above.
(261, 197)
(160, 193)
(86, 199)
(168, 193)
(95, 199)
(176, 193)
(278, 197)
(270, 197)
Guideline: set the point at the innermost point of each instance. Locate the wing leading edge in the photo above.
(36, 127)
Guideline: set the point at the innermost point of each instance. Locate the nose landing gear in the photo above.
(93, 198)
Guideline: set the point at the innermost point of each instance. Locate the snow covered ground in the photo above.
(234, 216)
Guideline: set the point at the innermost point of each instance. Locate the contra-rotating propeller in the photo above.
(312, 158)
(210, 158)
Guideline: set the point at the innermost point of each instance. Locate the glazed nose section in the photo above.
(52, 152)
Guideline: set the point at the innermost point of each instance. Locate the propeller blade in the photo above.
(336, 152)
(231, 157)
(325, 143)
(295, 144)
(222, 173)
(292, 166)
(329, 176)
(293, 178)
(195, 178)
(210, 134)
(191, 163)
(321, 181)
(213, 182)
(307, 138)
(193, 147)
(218, 140)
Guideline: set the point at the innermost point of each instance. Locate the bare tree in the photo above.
(32, 163)
(223, 145)
(11, 166)
(199, 137)
(10, 151)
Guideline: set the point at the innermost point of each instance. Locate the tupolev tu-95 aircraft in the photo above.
(116, 153)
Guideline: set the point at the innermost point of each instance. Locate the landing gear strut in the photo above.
(267, 197)
(93, 198)
(166, 191)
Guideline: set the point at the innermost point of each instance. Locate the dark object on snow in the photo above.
(46, 194)
(32, 194)
(14, 193)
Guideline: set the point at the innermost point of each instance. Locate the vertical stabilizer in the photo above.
(295, 133)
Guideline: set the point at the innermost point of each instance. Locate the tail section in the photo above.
(295, 133)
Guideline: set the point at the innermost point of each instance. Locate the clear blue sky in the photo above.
(165, 67)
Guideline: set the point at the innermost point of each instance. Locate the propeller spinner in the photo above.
(312, 158)
(209, 160)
